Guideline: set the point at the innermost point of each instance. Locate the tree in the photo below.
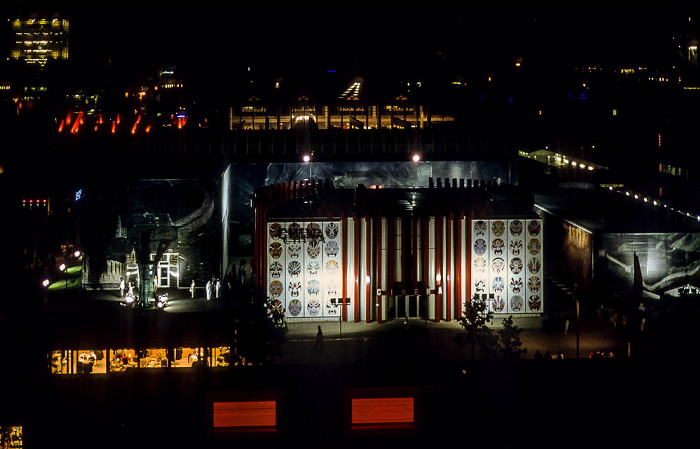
(509, 344)
(475, 320)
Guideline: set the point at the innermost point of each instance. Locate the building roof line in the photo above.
(571, 222)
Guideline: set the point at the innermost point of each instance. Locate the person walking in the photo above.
(192, 289)
(122, 286)
(131, 288)
(217, 287)
(319, 338)
(241, 272)
(208, 288)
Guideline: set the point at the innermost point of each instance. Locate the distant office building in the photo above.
(38, 40)
(327, 110)
(346, 115)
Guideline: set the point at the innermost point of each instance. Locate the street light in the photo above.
(307, 160)
(62, 267)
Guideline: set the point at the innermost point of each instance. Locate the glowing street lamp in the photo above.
(62, 267)
(307, 160)
(415, 157)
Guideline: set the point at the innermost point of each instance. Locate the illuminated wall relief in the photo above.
(667, 260)
(304, 267)
(507, 264)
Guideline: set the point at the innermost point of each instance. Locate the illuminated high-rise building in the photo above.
(38, 40)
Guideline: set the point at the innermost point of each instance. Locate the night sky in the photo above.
(357, 37)
(213, 44)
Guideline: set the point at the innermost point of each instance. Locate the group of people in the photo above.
(126, 287)
(212, 288)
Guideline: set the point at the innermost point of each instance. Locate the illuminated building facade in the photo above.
(376, 254)
(347, 115)
(38, 40)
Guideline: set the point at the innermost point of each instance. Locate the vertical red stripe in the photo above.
(256, 233)
(426, 261)
(448, 270)
(378, 266)
(438, 266)
(391, 250)
(356, 242)
(468, 237)
(414, 266)
(458, 259)
(368, 267)
(263, 235)
(344, 246)
(262, 250)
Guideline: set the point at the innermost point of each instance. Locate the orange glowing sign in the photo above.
(261, 415)
(367, 411)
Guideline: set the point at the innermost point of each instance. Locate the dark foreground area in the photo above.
(610, 402)
(575, 403)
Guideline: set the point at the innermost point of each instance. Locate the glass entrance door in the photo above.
(163, 274)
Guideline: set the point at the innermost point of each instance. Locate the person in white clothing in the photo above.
(218, 287)
(122, 286)
(208, 288)
(192, 288)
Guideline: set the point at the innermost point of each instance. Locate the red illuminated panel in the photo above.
(382, 411)
(245, 414)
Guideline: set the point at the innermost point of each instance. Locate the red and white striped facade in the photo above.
(378, 254)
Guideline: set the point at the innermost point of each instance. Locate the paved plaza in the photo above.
(344, 342)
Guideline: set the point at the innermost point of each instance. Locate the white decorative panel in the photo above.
(304, 267)
(507, 264)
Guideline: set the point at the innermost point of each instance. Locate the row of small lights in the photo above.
(34, 202)
(654, 202)
(574, 163)
(415, 157)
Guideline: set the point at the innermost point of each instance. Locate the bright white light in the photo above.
(62, 267)
(45, 283)
(416, 158)
(306, 158)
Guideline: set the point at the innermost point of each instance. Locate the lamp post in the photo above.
(62, 267)
(307, 160)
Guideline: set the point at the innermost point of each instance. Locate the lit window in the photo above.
(383, 410)
(245, 414)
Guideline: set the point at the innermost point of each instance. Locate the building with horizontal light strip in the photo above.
(377, 254)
